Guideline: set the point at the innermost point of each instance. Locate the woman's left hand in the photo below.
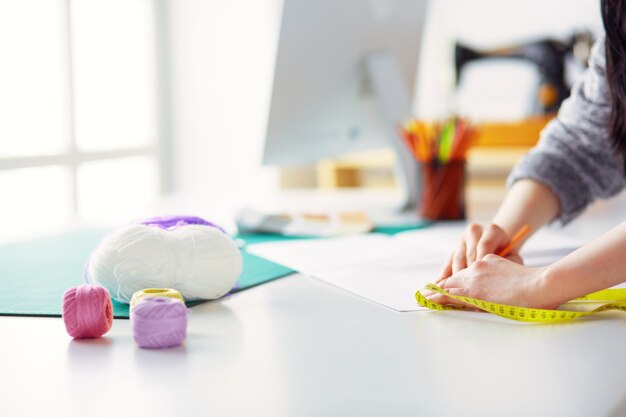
(497, 280)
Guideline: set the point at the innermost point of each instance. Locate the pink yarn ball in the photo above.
(87, 311)
(159, 322)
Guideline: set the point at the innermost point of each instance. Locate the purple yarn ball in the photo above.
(159, 322)
(171, 222)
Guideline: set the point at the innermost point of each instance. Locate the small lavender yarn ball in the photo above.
(159, 322)
(154, 292)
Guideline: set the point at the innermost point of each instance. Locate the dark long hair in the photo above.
(614, 18)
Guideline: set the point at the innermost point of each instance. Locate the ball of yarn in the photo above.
(170, 222)
(154, 292)
(190, 255)
(87, 311)
(159, 322)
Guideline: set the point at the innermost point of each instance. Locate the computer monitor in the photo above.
(344, 72)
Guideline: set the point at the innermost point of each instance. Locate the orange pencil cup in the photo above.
(443, 191)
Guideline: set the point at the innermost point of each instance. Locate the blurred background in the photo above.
(117, 109)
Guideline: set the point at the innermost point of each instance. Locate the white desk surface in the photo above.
(300, 347)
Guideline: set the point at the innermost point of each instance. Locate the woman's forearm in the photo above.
(527, 202)
(596, 266)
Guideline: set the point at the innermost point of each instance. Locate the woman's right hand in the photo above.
(475, 243)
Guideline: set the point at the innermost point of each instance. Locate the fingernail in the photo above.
(427, 293)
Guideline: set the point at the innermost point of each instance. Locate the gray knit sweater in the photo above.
(574, 156)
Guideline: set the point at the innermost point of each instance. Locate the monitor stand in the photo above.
(386, 208)
(391, 94)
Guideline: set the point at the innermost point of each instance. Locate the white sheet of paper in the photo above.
(390, 269)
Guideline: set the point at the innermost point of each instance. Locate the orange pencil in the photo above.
(514, 240)
(423, 141)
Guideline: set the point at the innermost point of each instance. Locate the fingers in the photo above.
(456, 285)
(490, 257)
(515, 258)
(493, 238)
(472, 237)
(459, 292)
(464, 253)
(444, 300)
(458, 258)
(475, 243)
(446, 271)
(455, 281)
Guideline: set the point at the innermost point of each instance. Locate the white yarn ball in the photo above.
(201, 262)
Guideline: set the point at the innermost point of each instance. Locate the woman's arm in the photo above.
(598, 265)
(528, 202)
(574, 156)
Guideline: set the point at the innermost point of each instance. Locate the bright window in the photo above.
(33, 79)
(79, 136)
(113, 73)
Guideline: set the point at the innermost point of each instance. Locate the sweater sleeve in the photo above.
(574, 156)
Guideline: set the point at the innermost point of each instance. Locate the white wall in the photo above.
(223, 56)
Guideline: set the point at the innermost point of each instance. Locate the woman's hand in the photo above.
(500, 281)
(474, 244)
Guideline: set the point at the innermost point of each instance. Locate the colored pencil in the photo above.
(523, 231)
(439, 143)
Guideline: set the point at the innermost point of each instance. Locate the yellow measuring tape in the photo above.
(617, 296)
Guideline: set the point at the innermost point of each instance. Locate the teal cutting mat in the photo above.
(35, 274)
